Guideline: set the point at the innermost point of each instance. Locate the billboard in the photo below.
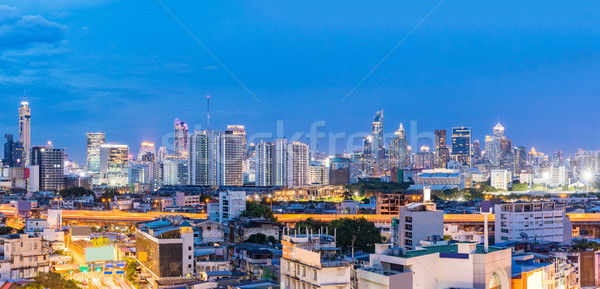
(96, 254)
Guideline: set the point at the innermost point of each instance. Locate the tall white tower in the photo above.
(25, 129)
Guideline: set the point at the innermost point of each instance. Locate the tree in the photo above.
(131, 269)
(360, 233)
(258, 238)
(60, 252)
(519, 187)
(5, 230)
(51, 280)
(347, 195)
(109, 194)
(75, 192)
(257, 210)
(100, 242)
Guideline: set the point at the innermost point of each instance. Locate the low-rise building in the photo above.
(240, 229)
(26, 256)
(540, 221)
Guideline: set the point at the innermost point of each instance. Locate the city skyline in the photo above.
(465, 66)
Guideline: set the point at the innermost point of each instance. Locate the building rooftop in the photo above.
(449, 249)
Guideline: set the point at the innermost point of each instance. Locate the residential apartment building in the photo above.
(540, 221)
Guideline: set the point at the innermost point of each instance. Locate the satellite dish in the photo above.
(524, 236)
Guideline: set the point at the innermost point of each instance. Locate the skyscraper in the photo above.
(147, 152)
(94, 141)
(25, 129)
(265, 161)
(231, 159)
(377, 140)
(114, 164)
(461, 145)
(239, 130)
(442, 155)
(51, 167)
(162, 154)
(13, 152)
(298, 163)
(398, 148)
(493, 145)
(280, 162)
(180, 143)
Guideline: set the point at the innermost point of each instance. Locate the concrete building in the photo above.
(94, 141)
(114, 163)
(312, 261)
(389, 203)
(26, 256)
(318, 174)
(500, 179)
(231, 205)
(417, 222)
(540, 221)
(51, 167)
(464, 265)
(440, 179)
(165, 248)
(298, 160)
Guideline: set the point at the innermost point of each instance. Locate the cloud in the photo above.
(23, 30)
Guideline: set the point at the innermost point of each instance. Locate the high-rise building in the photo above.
(25, 128)
(114, 164)
(181, 140)
(493, 145)
(461, 145)
(398, 148)
(298, 162)
(557, 159)
(162, 154)
(424, 159)
(265, 161)
(216, 159)
(13, 153)
(51, 167)
(476, 151)
(94, 141)
(203, 158)
(231, 159)
(239, 130)
(442, 155)
(281, 162)
(520, 159)
(147, 152)
(378, 138)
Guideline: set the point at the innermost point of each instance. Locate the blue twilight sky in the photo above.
(128, 68)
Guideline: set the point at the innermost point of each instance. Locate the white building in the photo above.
(500, 179)
(27, 256)
(298, 158)
(559, 176)
(313, 261)
(527, 178)
(231, 205)
(114, 163)
(318, 174)
(417, 222)
(463, 265)
(541, 221)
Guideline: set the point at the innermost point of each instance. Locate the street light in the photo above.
(546, 176)
(587, 176)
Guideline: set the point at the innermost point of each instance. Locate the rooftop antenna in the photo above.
(208, 112)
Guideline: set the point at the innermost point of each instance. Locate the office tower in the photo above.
(539, 221)
(239, 130)
(398, 148)
(231, 159)
(368, 147)
(476, 150)
(166, 247)
(13, 152)
(280, 165)
(298, 157)
(424, 159)
(175, 172)
(493, 145)
(416, 222)
(162, 154)
(520, 159)
(461, 145)
(147, 152)
(378, 138)
(265, 161)
(114, 164)
(25, 129)
(50, 162)
(94, 141)
(203, 158)
(180, 144)
(557, 159)
(343, 171)
(442, 155)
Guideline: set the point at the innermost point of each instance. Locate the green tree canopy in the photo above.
(519, 187)
(257, 210)
(4, 230)
(51, 280)
(75, 192)
(100, 241)
(363, 233)
(258, 238)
